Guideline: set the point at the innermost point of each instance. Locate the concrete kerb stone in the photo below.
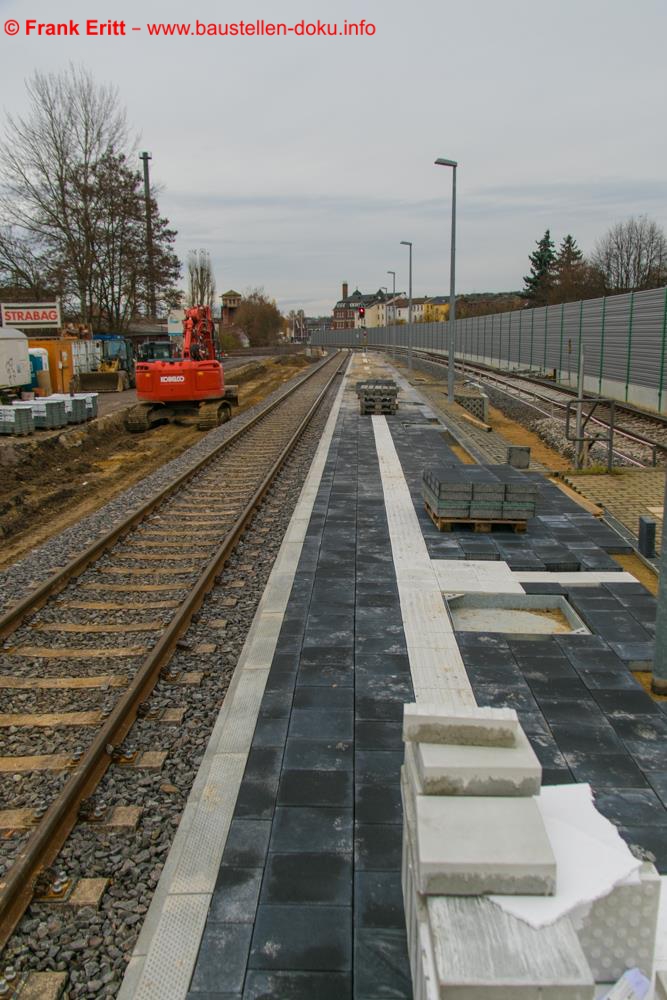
(168, 944)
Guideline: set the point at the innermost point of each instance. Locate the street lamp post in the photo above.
(451, 350)
(393, 307)
(145, 156)
(407, 243)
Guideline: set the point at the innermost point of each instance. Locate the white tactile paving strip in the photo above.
(436, 665)
(166, 950)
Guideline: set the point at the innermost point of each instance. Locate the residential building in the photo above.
(403, 309)
(346, 311)
(436, 309)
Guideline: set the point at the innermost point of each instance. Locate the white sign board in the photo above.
(175, 322)
(27, 314)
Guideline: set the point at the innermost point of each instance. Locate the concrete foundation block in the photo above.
(467, 846)
(472, 770)
(518, 456)
(435, 723)
(618, 932)
(482, 953)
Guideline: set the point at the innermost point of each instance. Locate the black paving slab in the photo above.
(308, 899)
(309, 885)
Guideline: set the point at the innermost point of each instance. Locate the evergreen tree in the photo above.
(569, 254)
(542, 262)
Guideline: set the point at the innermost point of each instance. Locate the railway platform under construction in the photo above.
(284, 879)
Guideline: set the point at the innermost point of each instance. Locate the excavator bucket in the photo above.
(103, 381)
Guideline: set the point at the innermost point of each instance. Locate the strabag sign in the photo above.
(29, 314)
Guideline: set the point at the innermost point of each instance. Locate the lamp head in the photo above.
(442, 162)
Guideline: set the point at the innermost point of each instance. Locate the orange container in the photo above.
(61, 360)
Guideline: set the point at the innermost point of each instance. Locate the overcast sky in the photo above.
(303, 162)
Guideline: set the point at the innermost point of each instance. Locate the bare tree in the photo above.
(201, 281)
(632, 256)
(72, 215)
(259, 318)
(47, 166)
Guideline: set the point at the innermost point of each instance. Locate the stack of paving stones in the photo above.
(471, 827)
(49, 413)
(16, 420)
(308, 901)
(91, 401)
(477, 494)
(377, 396)
(76, 409)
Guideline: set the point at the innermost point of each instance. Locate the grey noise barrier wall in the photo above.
(623, 337)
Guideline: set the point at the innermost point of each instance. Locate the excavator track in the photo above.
(138, 419)
(212, 414)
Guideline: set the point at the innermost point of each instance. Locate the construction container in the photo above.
(68, 357)
(14, 359)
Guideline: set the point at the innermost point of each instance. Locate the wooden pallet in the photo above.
(478, 524)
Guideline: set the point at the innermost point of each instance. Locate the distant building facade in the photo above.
(231, 300)
(346, 311)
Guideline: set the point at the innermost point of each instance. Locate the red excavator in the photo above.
(188, 387)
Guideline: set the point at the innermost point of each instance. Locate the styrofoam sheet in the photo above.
(590, 854)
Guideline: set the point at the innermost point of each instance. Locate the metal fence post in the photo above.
(630, 319)
(546, 318)
(659, 682)
(602, 332)
(662, 351)
(532, 336)
(520, 325)
(509, 340)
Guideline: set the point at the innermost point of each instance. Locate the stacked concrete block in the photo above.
(476, 403)
(90, 399)
(17, 420)
(472, 826)
(75, 407)
(49, 413)
(377, 396)
(477, 495)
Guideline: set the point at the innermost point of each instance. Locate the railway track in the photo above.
(642, 439)
(84, 650)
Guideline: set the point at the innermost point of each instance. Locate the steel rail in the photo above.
(554, 401)
(44, 844)
(13, 616)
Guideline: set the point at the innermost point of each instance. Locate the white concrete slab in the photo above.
(472, 770)
(481, 727)
(436, 664)
(585, 578)
(469, 846)
(458, 576)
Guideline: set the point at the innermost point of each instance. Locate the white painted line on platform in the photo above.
(166, 950)
(436, 664)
